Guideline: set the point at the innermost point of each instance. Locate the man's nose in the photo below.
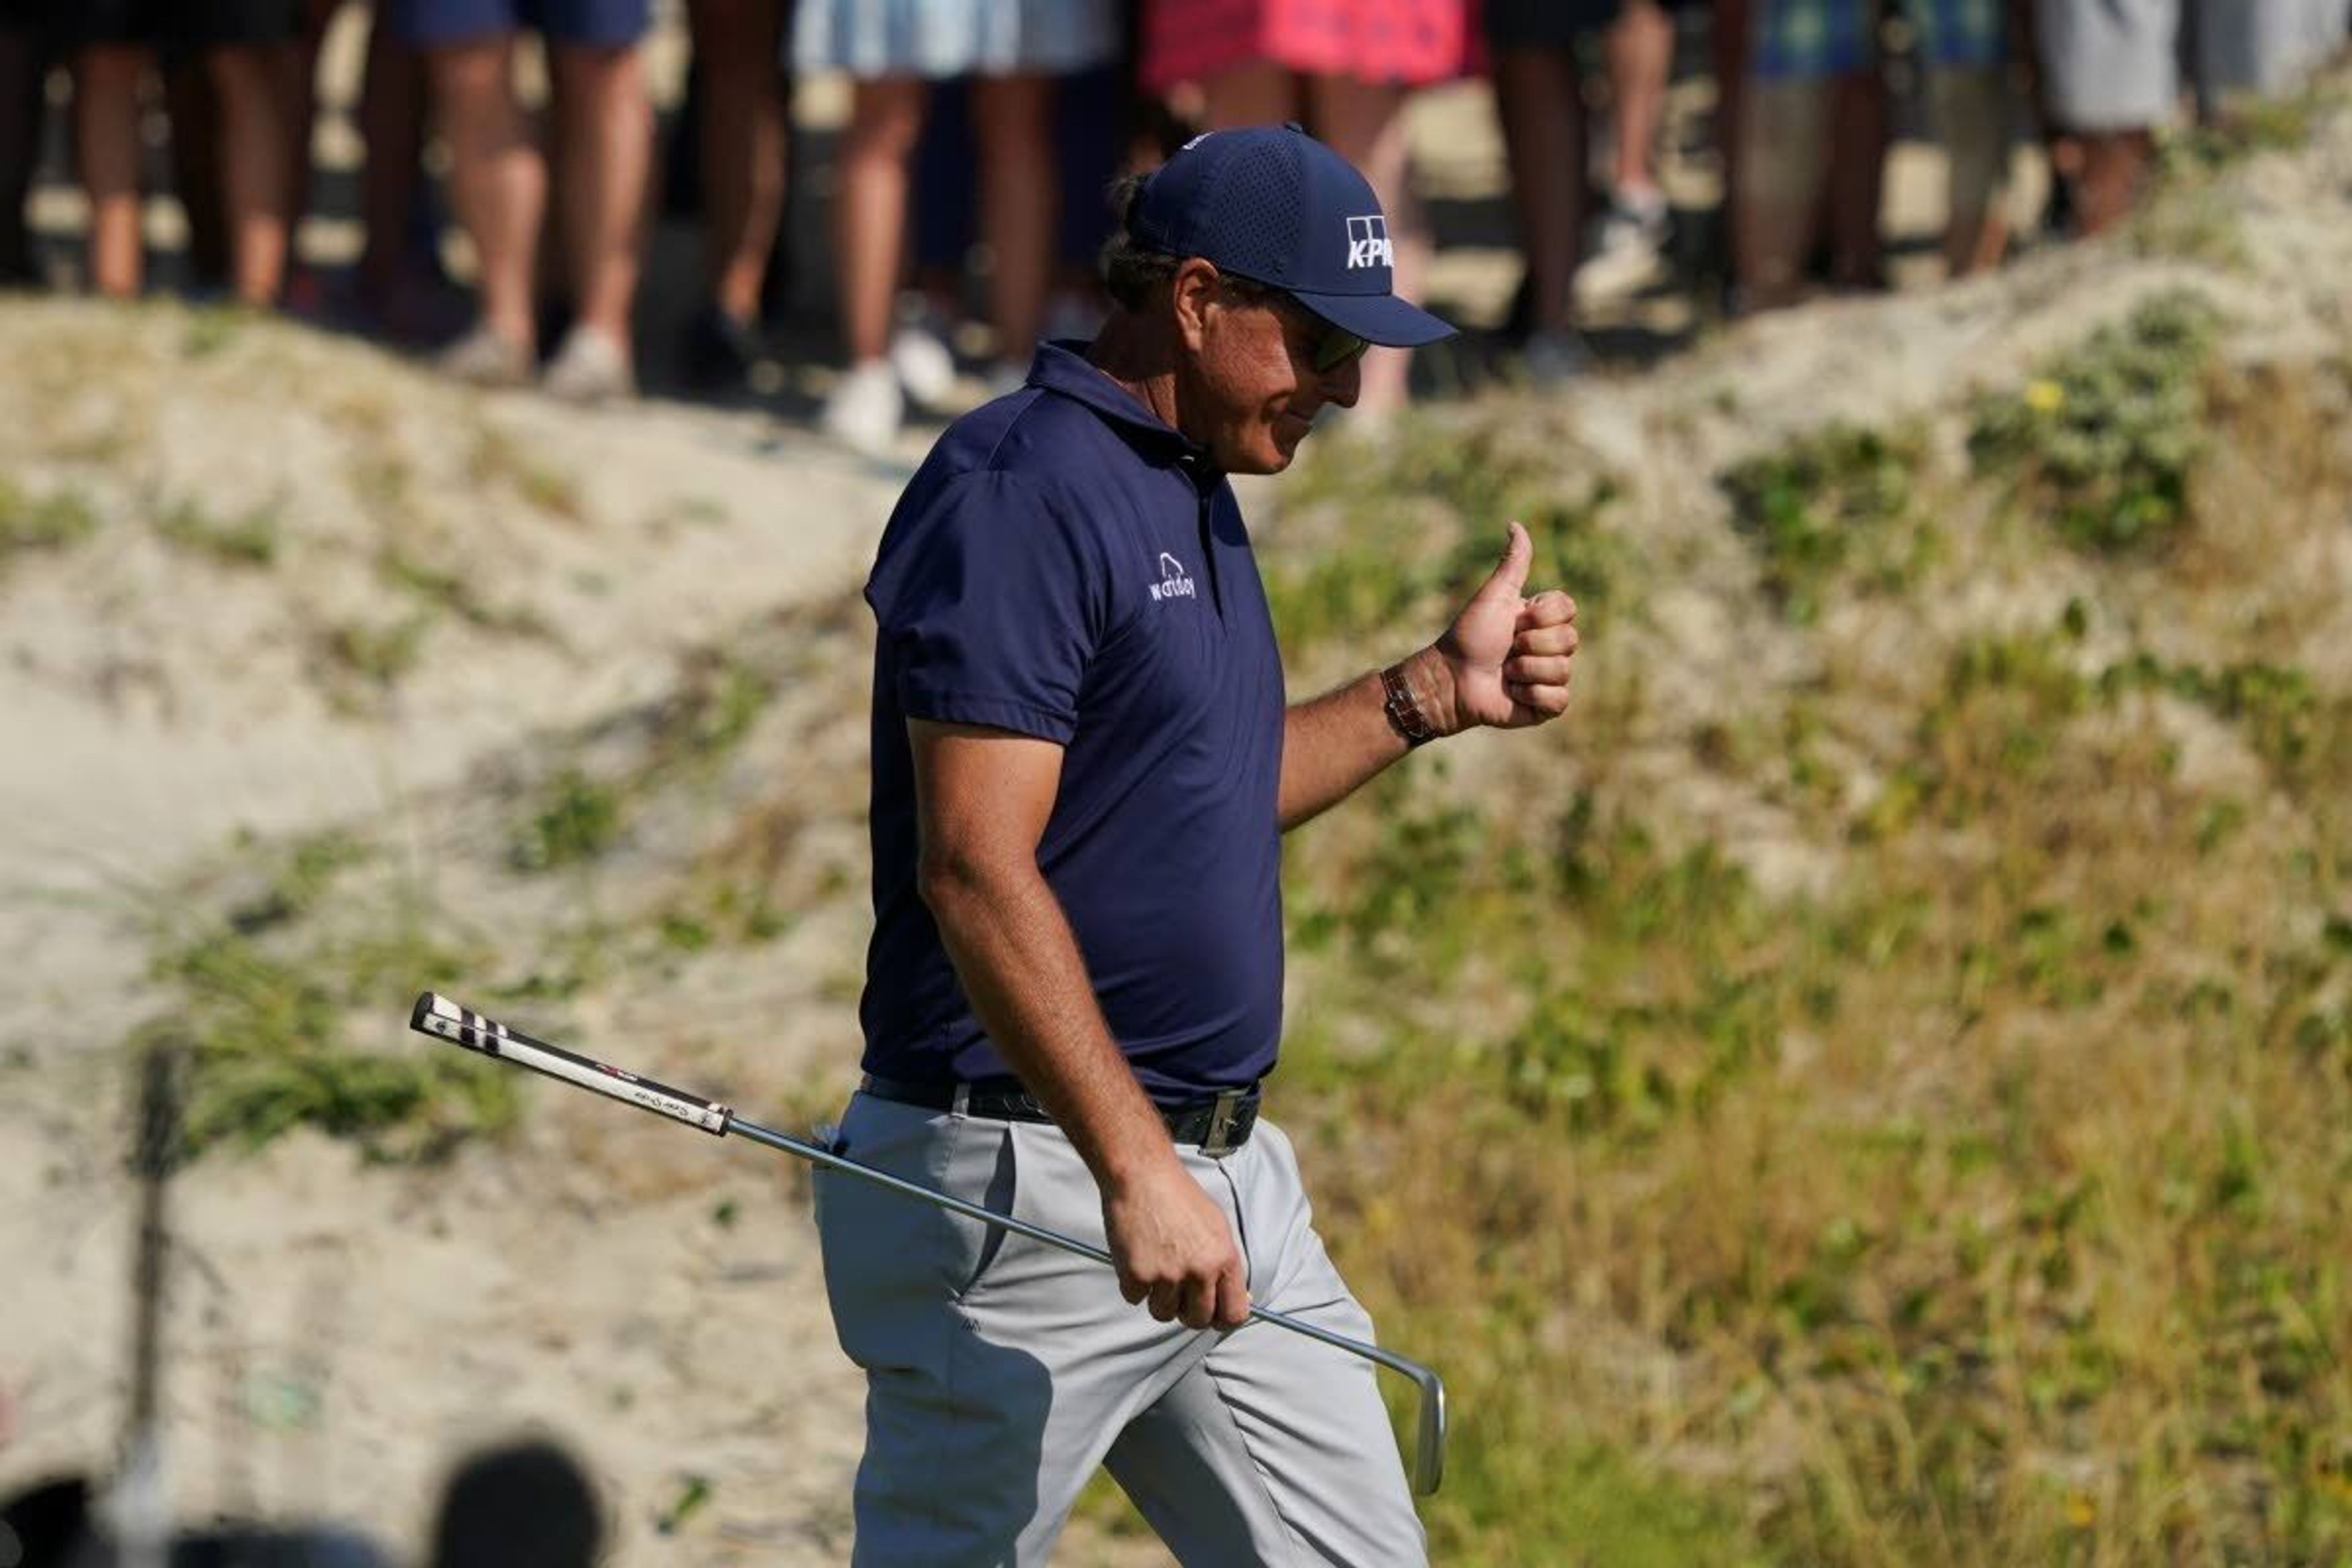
(1344, 383)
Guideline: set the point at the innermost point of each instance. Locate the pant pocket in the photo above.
(992, 1142)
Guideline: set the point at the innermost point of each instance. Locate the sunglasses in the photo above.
(1334, 347)
(1330, 348)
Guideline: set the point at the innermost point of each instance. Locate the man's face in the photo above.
(1261, 366)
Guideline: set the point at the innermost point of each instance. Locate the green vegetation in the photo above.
(249, 539)
(378, 655)
(575, 818)
(1365, 564)
(213, 328)
(1830, 504)
(2104, 439)
(29, 524)
(497, 460)
(438, 588)
(267, 1004)
(1982, 1204)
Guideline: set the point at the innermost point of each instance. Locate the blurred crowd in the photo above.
(988, 128)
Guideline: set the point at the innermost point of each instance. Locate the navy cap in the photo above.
(1271, 204)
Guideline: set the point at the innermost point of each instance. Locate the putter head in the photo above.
(1429, 1440)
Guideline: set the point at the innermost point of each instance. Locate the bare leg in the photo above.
(1641, 54)
(249, 83)
(1777, 206)
(106, 139)
(605, 150)
(736, 45)
(1539, 98)
(1261, 93)
(1857, 149)
(2114, 169)
(870, 217)
(392, 123)
(1020, 202)
(1364, 123)
(1967, 106)
(496, 178)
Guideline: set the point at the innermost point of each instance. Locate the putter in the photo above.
(436, 1016)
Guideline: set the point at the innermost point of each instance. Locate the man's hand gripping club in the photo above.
(1174, 1249)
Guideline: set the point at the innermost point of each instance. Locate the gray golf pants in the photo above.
(999, 1371)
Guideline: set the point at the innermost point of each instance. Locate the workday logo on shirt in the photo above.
(1173, 584)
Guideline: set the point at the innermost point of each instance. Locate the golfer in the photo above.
(1083, 767)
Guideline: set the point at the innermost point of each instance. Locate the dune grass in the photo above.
(1983, 1205)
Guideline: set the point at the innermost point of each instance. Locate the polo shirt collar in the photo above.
(1062, 366)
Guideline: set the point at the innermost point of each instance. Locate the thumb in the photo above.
(1511, 571)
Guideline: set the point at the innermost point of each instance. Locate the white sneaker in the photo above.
(485, 359)
(1629, 248)
(866, 409)
(921, 356)
(590, 367)
(1555, 358)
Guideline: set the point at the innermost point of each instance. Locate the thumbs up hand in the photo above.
(1507, 654)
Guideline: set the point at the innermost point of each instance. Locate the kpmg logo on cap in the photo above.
(1367, 242)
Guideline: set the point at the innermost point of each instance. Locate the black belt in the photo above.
(1217, 1124)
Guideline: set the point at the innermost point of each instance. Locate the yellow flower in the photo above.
(2044, 396)
(2081, 1511)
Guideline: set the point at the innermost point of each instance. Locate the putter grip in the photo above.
(438, 1016)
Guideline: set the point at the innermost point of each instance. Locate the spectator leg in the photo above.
(391, 125)
(1364, 123)
(1857, 176)
(1259, 93)
(496, 178)
(1777, 206)
(606, 153)
(251, 83)
(1640, 55)
(1970, 119)
(736, 45)
(106, 143)
(870, 217)
(1538, 96)
(1020, 204)
(2113, 165)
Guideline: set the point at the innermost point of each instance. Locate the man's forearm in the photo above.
(1027, 983)
(1335, 744)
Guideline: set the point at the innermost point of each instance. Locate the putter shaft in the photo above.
(438, 1016)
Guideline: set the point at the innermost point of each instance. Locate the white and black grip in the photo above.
(435, 1014)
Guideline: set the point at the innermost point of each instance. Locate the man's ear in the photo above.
(1193, 293)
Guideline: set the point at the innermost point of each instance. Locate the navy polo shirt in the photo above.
(1064, 565)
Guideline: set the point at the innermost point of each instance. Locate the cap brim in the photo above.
(1381, 319)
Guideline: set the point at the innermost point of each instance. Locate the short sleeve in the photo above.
(989, 606)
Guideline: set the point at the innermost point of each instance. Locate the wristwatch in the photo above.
(1403, 710)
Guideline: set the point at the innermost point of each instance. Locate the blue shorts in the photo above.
(598, 24)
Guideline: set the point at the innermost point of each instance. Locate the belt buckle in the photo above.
(1221, 1112)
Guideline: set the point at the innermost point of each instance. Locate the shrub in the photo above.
(2108, 436)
